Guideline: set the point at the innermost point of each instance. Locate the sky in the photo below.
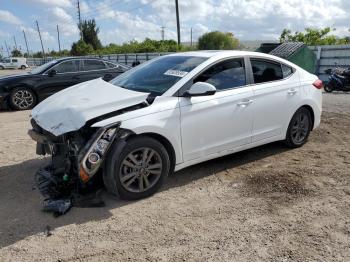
(125, 20)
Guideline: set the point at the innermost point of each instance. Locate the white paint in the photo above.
(69, 109)
(199, 128)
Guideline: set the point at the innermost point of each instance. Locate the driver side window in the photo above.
(67, 67)
(224, 75)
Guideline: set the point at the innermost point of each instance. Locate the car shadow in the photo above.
(20, 202)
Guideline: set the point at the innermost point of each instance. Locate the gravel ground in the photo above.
(265, 204)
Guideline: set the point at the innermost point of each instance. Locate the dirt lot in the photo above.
(264, 204)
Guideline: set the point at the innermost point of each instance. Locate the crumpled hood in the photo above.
(69, 109)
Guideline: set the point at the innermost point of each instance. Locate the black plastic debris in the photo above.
(57, 207)
(47, 231)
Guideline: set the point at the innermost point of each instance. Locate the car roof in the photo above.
(78, 58)
(222, 53)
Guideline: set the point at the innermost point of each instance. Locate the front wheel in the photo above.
(22, 99)
(138, 170)
(299, 128)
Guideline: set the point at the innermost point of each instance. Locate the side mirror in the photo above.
(200, 89)
(52, 72)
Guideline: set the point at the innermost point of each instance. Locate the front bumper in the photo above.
(3, 100)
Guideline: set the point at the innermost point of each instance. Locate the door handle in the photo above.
(292, 92)
(244, 103)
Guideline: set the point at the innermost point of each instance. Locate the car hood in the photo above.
(10, 77)
(71, 108)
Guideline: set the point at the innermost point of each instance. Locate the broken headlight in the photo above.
(96, 153)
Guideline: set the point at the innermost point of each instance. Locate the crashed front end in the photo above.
(76, 157)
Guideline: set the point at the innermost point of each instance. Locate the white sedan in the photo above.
(170, 113)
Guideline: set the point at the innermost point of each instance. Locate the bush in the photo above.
(81, 48)
(217, 41)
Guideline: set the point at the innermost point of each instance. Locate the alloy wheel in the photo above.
(300, 128)
(23, 99)
(140, 170)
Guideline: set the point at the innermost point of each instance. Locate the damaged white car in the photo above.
(169, 113)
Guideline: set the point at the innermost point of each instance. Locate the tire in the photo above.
(131, 181)
(299, 128)
(2, 68)
(23, 67)
(328, 88)
(22, 99)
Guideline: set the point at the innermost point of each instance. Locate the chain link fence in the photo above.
(126, 59)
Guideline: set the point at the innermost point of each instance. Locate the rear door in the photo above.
(276, 94)
(219, 122)
(94, 68)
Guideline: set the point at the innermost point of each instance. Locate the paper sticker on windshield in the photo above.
(177, 73)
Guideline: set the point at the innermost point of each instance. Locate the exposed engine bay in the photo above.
(77, 159)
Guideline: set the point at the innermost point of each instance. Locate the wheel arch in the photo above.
(312, 113)
(165, 142)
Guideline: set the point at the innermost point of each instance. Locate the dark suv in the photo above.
(24, 91)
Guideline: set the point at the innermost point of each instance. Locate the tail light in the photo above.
(318, 84)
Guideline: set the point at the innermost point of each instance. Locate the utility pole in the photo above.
(25, 40)
(14, 39)
(58, 38)
(177, 22)
(8, 52)
(41, 41)
(191, 37)
(162, 31)
(79, 19)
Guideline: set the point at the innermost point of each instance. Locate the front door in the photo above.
(219, 122)
(66, 75)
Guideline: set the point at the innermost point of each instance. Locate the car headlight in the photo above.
(96, 153)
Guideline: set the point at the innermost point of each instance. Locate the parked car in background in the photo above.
(170, 113)
(24, 91)
(14, 63)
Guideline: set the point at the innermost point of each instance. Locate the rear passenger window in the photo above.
(225, 75)
(286, 70)
(14, 60)
(266, 71)
(93, 65)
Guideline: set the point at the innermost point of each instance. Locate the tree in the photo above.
(16, 53)
(90, 33)
(217, 41)
(81, 48)
(313, 36)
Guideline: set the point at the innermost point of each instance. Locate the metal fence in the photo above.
(331, 56)
(126, 59)
(328, 56)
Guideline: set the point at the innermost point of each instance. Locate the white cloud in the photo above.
(59, 3)
(67, 25)
(8, 17)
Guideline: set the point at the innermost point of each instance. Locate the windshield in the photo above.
(159, 75)
(43, 67)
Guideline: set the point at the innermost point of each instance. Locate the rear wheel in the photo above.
(23, 67)
(299, 128)
(138, 170)
(328, 88)
(22, 99)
